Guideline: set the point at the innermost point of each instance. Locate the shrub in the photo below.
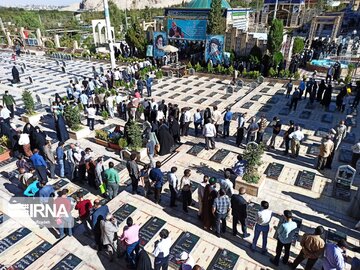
(198, 67)
(231, 70)
(101, 134)
(189, 65)
(297, 75)
(72, 116)
(105, 115)
(5, 142)
(253, 154)
(210, 68)
(135, 136)
(348, 79)
(122, 143)
(29, 103)
(272, 73)
(282, 74)
(159, 74)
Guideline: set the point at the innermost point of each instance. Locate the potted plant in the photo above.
(5, 152)
(252, 180)
(123, 143)
(30, 116)
(101, 137)
(73, 120)
(135, 141)
(105, 116)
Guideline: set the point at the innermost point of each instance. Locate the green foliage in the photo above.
(102, 135)
(135, 136)
(219, 69)
(272, 73)
(216, 22)
(122, 143)
(253, 154)
(282, 74)
(297, 75)
(5, 142)
(72, 116)
(135, 36)
(158, 75)
(275, 37)
(189, 65)
(277, 58)
(210, 68)
(298, 45)
(348, 79)
(351, 68)
(231, 70)
(29, 103)
(105, 115)
(255, 55)
(198, 67)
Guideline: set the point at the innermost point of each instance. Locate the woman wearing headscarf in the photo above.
(327, 97)
(165, 139)
(321, 90)
(61, 130)
(38, 139)
(174, 129)
(8, 131)
(210, 194)
(207, 113)
(143, 261)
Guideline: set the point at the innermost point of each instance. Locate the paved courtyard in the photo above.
(312, 201)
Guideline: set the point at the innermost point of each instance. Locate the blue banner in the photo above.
(149, 50)
(187, 29)
(160, 41)
(214, 49)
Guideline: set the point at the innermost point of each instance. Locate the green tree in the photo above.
(216, 22)
(117, 16)
(135, 37)
(255, 56)
(298, 45)
(275, 37)
(29, 103)
(277, 58)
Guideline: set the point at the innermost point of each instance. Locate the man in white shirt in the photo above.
(91, 112)
(201, 190)
(263, 219)
(240, 129)
(187, 121)
(162, 250)
(296, 137)
(5, 114)
(198, 121)
(173, 185)
(209, 133)
(216, 118)
(110, 105)
(84, 99)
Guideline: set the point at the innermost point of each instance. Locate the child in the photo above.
(144, 176)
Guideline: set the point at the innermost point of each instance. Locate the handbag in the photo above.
(102, 188)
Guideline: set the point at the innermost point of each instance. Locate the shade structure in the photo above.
(170, 49)
(206, 4)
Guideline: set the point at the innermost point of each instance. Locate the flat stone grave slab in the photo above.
(195, 150)
(333, 236)
(271, 84)
(321, 132)
(223, 260)
(194, 186)
(13, 238)
(201, 100)
(247, 105)
(220, 155)
(11, 175)
(226, 96)
(265, 108)
(350, 121)
(198, 84)
(186, 90)
(350, 138)
(188, 82)
(150, 229)
(174, 88)
(273, 100)
(124, 212)
(212, 94)
(252, 209)
(174, 96)
(310, 106)
(297, 230)
(69, 262)
(305, 115)
(305, 179)
(332, 107)
(345, 155)
(327, 118)
(83, 191)
(256, 97)
(215, 103)
(199, 92)
(211, 85)
(32, 256)
(165, 85)
(314, 149)
(274, 170)
(60, 184)
(284, 111)
(185, 242)
(187, 98)
(280, 92)
(265, 90)
(120, 166)
(222, 87)
(342, 192)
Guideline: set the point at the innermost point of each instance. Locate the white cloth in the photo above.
(297, 135)
(263, 217)
(162, 249)
(187, 117)
(5, 113)
(184, 181)
(173, 181)
(227, 186)
(216, 117)
(209, 130)
(91, 112)
(24, 139)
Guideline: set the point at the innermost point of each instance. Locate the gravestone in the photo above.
(11, 175)
(195, 150)
(199, 92)
(284, 111)
(222, 87)
(252, 209)
(57, 62)
(314, 149)
(220, 155)
(223, 260)
(274, 170)
(120, 166)
(305, 179)
(305, 115)
(63, 70)
(265, 90)
(185, 242)
(273, 100)
(211, 85)
(22, 70)
(322, 132)
(186, 89)
(165, 85)
(345, 155)
(333, 236)
(124, 212)
(187, 98)
(32, 256)
(225, 96)
(256, 97)
(162, 93)
(265, 108)
(280, 92)
(201, 100)
(298, 222)
(310, 106)
(350, 138)
(174, 96)
(271, 84)
(212, 94)
(150, 229)
(101, 69)
(247, 105)
(327, 118)
(229, 90)
(59, 184)
(13, 238)
(69, 262)
(215, 103)
(332, 107)
(83, 191)
(31, 81)
(344, 178)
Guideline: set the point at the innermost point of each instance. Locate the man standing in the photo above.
(287, 139)
(84, 207)
(112, 180)
(209, 133)
(340, 133)
(39, 165)
(201, 190)
(130, 238)
(149, 82)
(227, 119)
(91, 112)
(240, 129)
(239, 212)
(60, 158)
(198, 122)
(294, 99)
(140, 86)
(289, 88)
(326, 147)
(302, 87)
(263, 218)
(216, 118)
(355, 154)
(220, 209)
(162, 251)
(276, 125)
(312, 249)
(227, 185)
(71, 161)
(157, 177)
(134, 172)
(173, 185)
(50, 158)
(150, 148)
(296, 137)
(262, 123)
(285, 234)
(334, 256)
(99, 213)
(45, 192)
(9, 103)
(187, 121)
(108, 229)
(329, 74)
(252, 130)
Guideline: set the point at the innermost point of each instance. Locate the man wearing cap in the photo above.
(162, 251)
(334, 256)
(285, 233)
(326, 148)
(220, 209)
(239, 211)
(50, 158)
(312, 249)
(186, 261)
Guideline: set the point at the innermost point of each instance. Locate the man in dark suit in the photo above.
(239, 211)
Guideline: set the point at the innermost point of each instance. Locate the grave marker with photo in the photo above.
(223, 260)
(150, 229)
(305, 179)
(69, 262)
(185, 242)
(274, 170)
(124, 212)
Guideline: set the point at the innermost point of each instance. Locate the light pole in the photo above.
(109, 35)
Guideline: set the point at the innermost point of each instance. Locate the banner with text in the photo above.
(187, 29)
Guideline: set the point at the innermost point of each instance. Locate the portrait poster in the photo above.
(214, 49)
(186, 29)
(160, 41)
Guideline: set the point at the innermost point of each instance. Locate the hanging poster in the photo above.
(214, 49)
(187, 29)
(160, 40)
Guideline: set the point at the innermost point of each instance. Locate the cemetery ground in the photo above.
(289, 183)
